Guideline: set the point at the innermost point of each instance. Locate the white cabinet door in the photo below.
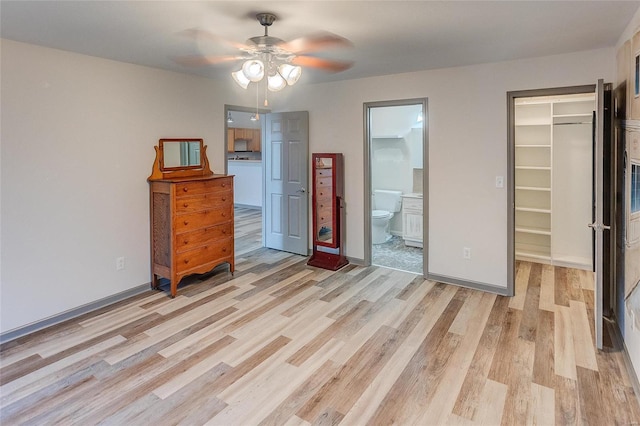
(412, 221)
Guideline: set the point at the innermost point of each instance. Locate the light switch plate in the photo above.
(499, 181)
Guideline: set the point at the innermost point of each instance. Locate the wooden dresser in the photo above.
(191, 226)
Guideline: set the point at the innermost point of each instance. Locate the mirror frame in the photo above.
(159, 172)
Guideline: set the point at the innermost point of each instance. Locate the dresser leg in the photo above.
(174, 288)
(154, 282)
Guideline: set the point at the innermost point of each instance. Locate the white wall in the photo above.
(77, 137)
(77, 147)
(467, 148)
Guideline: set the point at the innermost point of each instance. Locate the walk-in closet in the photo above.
(554, 179)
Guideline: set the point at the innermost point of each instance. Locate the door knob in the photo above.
(301, 190)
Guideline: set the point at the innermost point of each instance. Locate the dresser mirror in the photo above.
(180, 158)
(325, 210)
(180, 153)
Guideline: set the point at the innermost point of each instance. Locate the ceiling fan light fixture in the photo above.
(291, 73)
(229, 118)
(276, 83)
(253, 70)
(255, 117)
(241, 79)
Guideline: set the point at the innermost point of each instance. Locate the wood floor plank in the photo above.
(280, 342)
(564, 349)
(521, 282)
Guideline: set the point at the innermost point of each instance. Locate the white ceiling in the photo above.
(388, 36)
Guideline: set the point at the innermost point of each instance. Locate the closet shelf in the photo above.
(533, 188)
(533, 168)
(540, 255)
(533, 210)
(532, 230)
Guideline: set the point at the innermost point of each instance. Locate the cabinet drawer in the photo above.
(204, 254)
(323, 173)
(201, 187)
(323, 182)
(413, 204)
(324, 215)
(202, 219)
(209, 235)
(207, 201)
(324, 193)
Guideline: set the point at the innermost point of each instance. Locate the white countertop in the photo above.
(245, 161)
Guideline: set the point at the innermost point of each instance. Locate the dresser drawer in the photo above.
(324, 215)
(211, 234)
(204, 254)
(202, 219)
(210, 200)
(201, 187)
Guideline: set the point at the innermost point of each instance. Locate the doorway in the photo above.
(560, 186)
(244, 159)
(396, 184)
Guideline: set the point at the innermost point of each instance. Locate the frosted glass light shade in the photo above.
(241, 79)
(253, 69)
(276, 82)
(290, 73)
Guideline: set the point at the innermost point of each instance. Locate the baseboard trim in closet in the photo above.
(72, 313)
(503, 291)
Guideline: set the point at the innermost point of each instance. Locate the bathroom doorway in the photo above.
(396, 184)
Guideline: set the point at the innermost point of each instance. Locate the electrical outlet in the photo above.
(466, 253)
(499, 181)
(119, 263)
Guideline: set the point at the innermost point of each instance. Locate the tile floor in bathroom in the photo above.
(394, 254)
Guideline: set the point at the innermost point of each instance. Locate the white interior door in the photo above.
(286, 165)
(598, 226)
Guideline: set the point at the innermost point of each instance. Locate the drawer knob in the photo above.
(224, 231)
(186, 261)
(224, 198)
(186, 242)
(186, 222)
(224, 249)
(186, 205)
(224, 214)
(185, 189)
(224, 184)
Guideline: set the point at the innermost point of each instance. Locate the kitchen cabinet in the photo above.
(412, 219)
(252, 136)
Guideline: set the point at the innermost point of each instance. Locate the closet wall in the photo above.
(553, 179)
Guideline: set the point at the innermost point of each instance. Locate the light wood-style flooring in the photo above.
(282, 343)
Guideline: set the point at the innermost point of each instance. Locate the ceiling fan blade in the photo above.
(314, 43)
(199, 34)
(199, 60)
(325, 64)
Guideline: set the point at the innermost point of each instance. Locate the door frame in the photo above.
(511, 207)
(425, 179)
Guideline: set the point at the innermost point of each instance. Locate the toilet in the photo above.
(385, 204)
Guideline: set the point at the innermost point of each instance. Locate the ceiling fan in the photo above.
(269, 56)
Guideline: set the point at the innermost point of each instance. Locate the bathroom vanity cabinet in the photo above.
(412, 217)
(327, 207)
